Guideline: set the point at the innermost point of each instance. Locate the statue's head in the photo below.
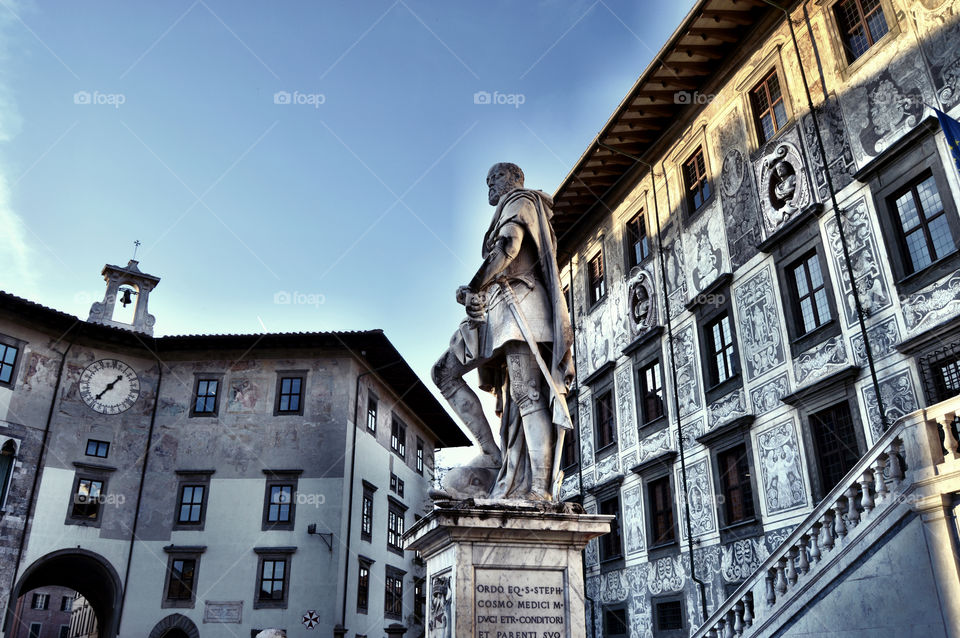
(502, 178)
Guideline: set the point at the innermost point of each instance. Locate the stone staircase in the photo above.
(878, 556)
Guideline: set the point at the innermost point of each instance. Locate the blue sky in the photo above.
(362, 197)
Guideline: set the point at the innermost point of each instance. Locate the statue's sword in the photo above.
(558, 396)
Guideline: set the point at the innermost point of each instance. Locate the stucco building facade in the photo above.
(214, 484)
(729, 253)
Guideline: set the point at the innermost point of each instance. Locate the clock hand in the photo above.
(109, 386)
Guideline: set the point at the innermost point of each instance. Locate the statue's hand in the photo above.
(462, 294)
(476, 306)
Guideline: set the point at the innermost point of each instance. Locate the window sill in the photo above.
(649, 427)
(177, 604)
(605, 451)
(929, 274)
(722, 389)
(815, 337)
(269, 604)
(395, 550)
(596, 304)
(746, 523)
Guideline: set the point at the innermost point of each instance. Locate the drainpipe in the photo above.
(673, 368)
(143, 478)
(31, 501)
(836, 208)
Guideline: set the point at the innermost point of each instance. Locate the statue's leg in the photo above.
(528, 389)
(448, 374)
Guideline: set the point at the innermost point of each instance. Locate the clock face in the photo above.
(109, 386)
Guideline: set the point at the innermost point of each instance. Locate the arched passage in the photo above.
(80, 570)
(175, 626)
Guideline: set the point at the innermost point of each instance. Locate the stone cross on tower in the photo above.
(142, 283)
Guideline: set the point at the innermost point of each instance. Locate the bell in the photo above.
(126, 297)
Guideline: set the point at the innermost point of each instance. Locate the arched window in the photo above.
(8, 453)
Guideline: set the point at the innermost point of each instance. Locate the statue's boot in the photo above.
(538, 432)
(466, 404)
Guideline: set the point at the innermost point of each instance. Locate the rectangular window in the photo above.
(395, 528)
(419, 455)
(281, 500)
(366, 514)
(610, 545)
(419, 600)
(606, 421)
(8, 360)
(86, 499)
(35, 628)
(290, 395)
(669, 615)
(273, 574)
(371, 414)
(66, 603)
(946, 377)
(651, 392)
(769, 109)
(861, 24)
(835, 442)
(393, 595)
(811, 309)
(182, 579)
(925, 235)
(695, 180)
(64, 631)
(721, 360)
(569, 456)
(615, 622)
(363, 587)
(661, 511)
(99, 449)
(396, 485)
(597, 284)
(205, 401)
(638, 244)
(40, 601)
(734, 469)
(398, 437)
(191, 504)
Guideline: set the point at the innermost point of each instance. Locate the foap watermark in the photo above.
(299, 99)
(99, 98)
(297, 298)
(498, 98)
(692, 97)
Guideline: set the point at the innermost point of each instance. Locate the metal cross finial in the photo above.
(136, 245)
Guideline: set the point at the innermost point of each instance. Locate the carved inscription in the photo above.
(514, 603)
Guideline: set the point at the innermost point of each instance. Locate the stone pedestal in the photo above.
(498, 569)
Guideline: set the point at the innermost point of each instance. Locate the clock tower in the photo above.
(125, 285)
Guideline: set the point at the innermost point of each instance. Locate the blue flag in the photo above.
(951, 128)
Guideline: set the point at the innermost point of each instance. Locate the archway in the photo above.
(175, 626)
(78, 569)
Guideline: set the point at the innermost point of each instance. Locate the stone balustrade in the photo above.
(916, 448)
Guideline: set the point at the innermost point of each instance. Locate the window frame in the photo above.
(607, 542)
(398, 436)
(819, 455)
(923, 226)
(397, 575)
(396, 485)
(174, 553)
(368, 491)
(762, 139)
(606, 610)
(632, 238)
(655, 611)
(724, 349)
(420, 456)
(280, 478)
(201, 377)
(192, 478)
(363, 563)
(605, 392)
(275, 554)
(373, 409)
(18, 344)
(718, 450)
(6, 477)
(642, 390)
(283, 375)
(98, 443)
(40, 597)
(849, 56)
(396, 511)
(923, 156)
(571, 441)
(652, 512)
(844, 64)
(89, 472)
(701, 185)
(596, 290)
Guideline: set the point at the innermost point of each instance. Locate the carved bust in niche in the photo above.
(641, 302)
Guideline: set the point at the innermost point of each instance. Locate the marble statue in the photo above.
(517, 336)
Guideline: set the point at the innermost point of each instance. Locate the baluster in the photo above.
(738, 619)
(839, 525)
(771, 596)
(880, 480)
(815, 532)
(722, 628)
(866, 498)
(781, 584)
(803, 564)
(895, 467)
(730, 633)
(791, 571)
(949, 440)
(853, 512)
(748, 609)
(826, 531)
